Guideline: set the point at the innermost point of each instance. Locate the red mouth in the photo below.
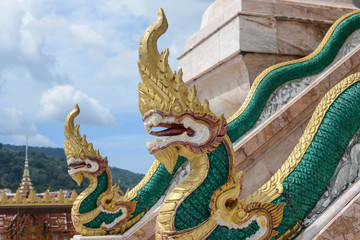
(77, 165)
(172, 129)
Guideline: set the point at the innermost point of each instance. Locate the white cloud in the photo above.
(118, 69)
(86, 35)
(11, 21)
(149, 8)
(134, 7)
(35, 140)
(183, 20)
(56, 53)
(13, 121)
(58, 101)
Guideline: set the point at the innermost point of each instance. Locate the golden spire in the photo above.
(26, 186)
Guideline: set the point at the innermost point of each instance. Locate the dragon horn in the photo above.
(148, 51)
(153, 67)
(69, 129)
(160, 86)
(75, 145)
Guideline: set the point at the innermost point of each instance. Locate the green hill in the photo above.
(48, 170)
(49, 151)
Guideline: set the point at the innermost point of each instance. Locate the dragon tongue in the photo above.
(169, 132)
(172, 130)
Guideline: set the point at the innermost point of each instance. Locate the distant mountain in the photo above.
(51, 152)
(48, 170)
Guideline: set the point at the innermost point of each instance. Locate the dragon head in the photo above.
(189, 126)
(82, 159)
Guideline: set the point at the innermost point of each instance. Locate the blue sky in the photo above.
(56, 53)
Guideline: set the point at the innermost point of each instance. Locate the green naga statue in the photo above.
(207, 204)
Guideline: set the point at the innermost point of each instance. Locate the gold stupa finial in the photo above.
(26, 185)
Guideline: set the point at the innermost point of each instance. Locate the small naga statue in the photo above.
(101, 208)
(208, 204)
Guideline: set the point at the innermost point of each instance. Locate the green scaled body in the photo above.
(146, 197)
(284, 74)
(306, 184)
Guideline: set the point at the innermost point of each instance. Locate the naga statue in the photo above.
(207, 204)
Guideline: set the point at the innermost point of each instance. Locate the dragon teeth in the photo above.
(150, 145)
(156, 119)
(73, 160)
(147, 127)
(152, 121)
(187, 123)
(169, 120)
(159, 140)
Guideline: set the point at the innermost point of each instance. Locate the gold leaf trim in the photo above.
(199, 166)
(200, 232)
(231, 154)
(291, 232)
(79, 219)
(127, 225)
